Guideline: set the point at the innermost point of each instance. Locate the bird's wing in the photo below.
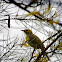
(37, 41)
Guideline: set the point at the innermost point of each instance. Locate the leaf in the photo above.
(27, 39)
(39, 52)
(16, 14)
(41, 60)
(52, 21)
(45, 60)
(34, 13)
(60, 48)
(60, 45)
(21, 45)
(56, 14)
(26, 45)
(47, 9)
(37, 55)
(22, 59)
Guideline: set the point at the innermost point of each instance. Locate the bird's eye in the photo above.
(26, 30)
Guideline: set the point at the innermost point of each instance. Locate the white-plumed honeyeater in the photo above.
(34, 41)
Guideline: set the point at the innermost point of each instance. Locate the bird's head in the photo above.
(27, 31)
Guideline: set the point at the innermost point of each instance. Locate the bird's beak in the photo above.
(22, 30)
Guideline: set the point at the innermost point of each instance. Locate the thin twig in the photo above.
(32, 55)
(52, 36)
(41, 18)
(9, 50)
(9, 22)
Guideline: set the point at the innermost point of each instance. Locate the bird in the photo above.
(34, 41)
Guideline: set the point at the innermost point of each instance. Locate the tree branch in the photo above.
(47, 47)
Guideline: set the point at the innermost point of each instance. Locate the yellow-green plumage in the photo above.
(33, 40)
